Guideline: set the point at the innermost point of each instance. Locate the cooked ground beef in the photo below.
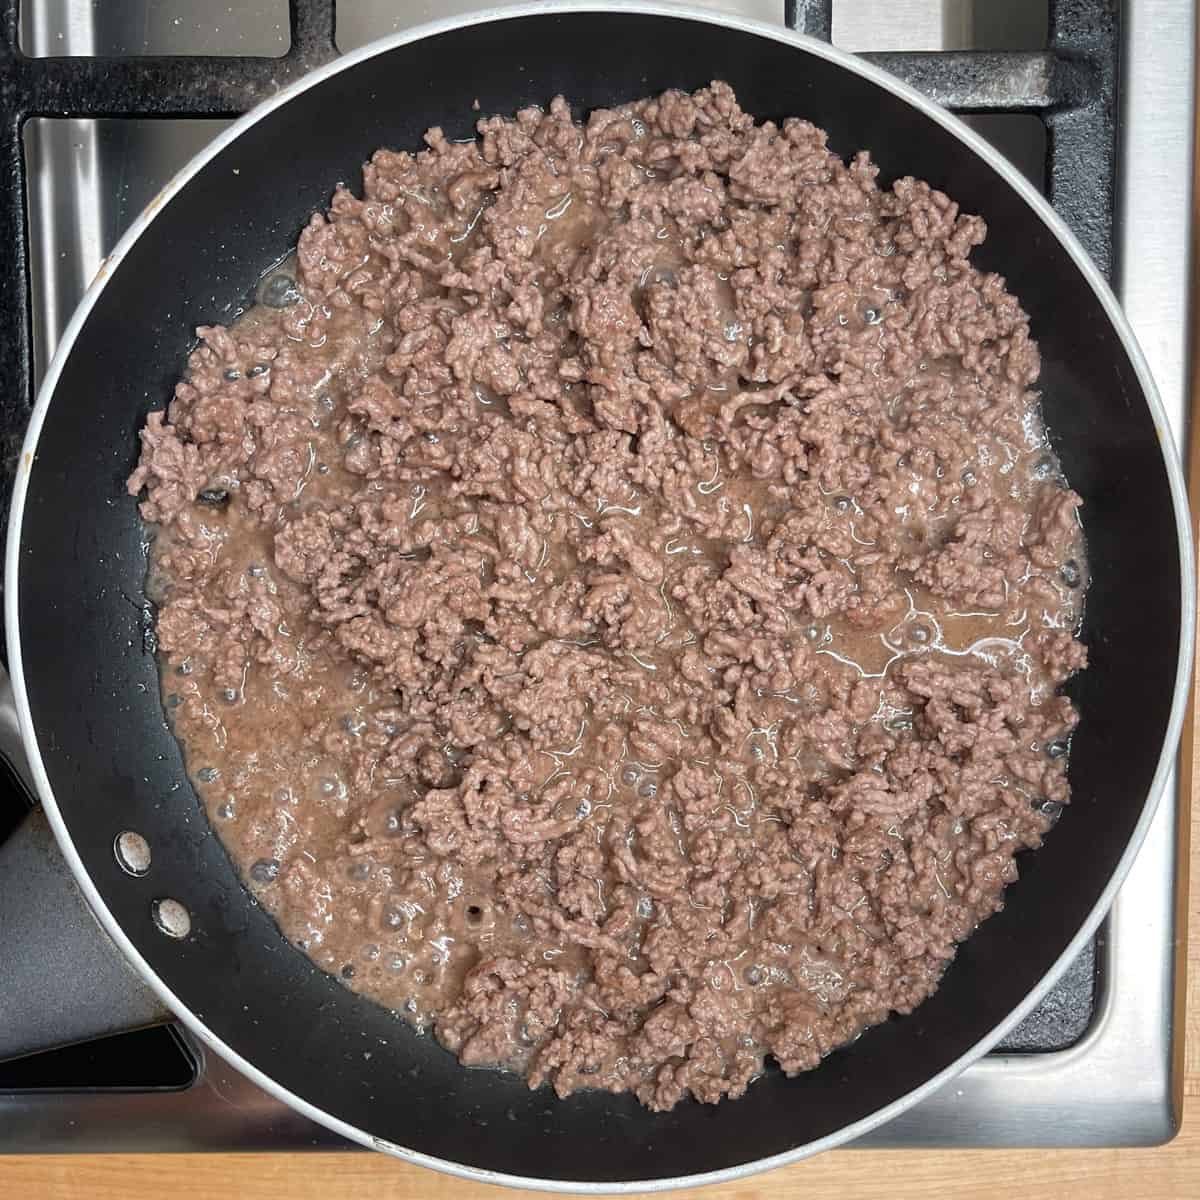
(615, 589)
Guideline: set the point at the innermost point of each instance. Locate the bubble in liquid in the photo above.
(228, 810)
(266, 870)
(872, 316)
(1058, 748)
(648, 788)
(370, 952)
(645, 908)
(359, 871)
(630, 775)
(1071, 574)
(755, 975)
(280, 292)
(258, 369)
(1044, 468)
(347, 971)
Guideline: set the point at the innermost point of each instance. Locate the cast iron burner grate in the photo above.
(1070, 86)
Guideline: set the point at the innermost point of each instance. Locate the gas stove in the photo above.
(1096, 1063)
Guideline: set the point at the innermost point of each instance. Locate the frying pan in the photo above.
(103, 761)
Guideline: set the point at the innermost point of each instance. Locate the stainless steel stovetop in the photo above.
(1096, 1065)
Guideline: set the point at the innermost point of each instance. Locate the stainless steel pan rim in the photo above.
(1049, 218)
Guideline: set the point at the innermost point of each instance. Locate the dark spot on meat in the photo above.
(214, 497)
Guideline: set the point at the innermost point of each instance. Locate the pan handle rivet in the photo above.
(171, 918)
(133, 853)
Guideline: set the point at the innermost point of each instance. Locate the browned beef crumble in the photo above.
(615, 591)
